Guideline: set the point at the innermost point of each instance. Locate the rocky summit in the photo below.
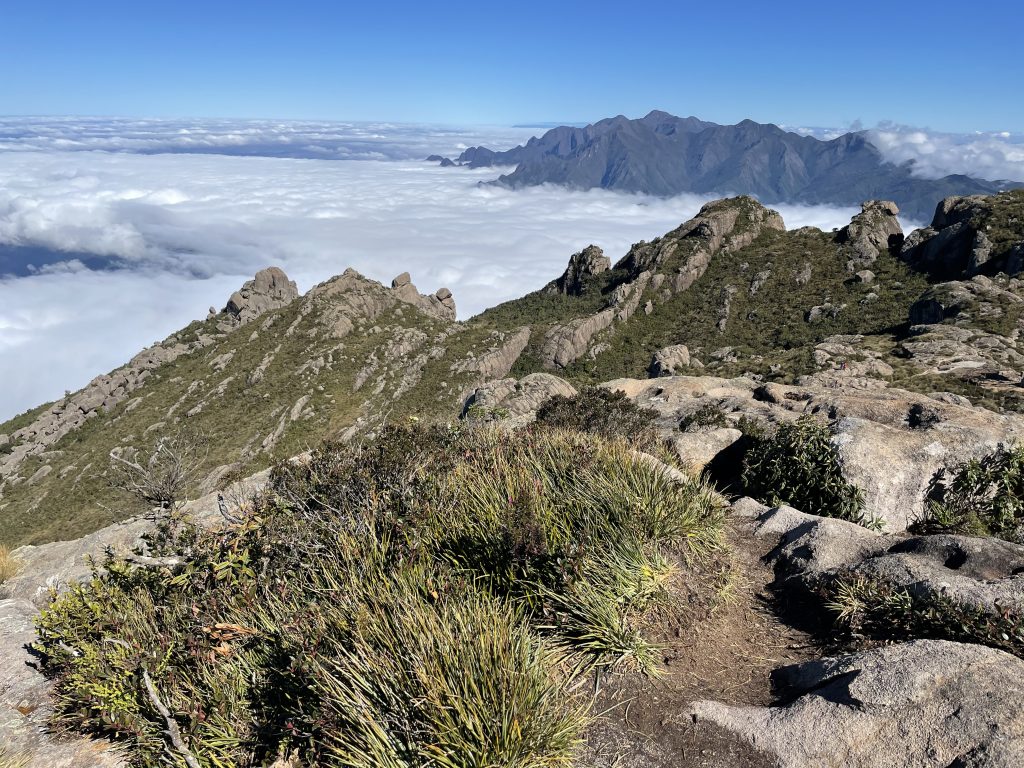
(745, 496)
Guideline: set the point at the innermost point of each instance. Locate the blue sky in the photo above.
(952, 67)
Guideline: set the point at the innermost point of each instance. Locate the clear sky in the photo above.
(947, 66)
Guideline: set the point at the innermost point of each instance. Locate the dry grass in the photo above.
(9, 568)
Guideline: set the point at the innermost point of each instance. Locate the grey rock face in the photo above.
(723, 224)
(956, 244)
(270, 289)
(497, 361)
(874, 230)
(521, 398)
(879, 449)
(668, 360)
(590, 261)
(926, 703)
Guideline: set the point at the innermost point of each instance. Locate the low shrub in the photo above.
(981, 497)
(705, 418)
(798, 465)
(505, 564)
(871, 609)
(602, 412)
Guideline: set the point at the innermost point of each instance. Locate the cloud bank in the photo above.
(107, 251)
(995, 156)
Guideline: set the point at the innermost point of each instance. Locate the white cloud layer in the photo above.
(994, 156)
(182, 231)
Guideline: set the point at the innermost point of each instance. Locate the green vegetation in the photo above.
(983, 497)
(769, 327)
(798, 465)
(235, 411)
(505, 564)
(868, 609)
(600, 411)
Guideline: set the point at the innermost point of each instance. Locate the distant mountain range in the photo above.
(664, 155)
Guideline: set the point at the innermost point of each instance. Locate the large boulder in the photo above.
(927, 703)
(891, 443)
(668, 360)
(876, 229)
(518, 400)
(588, 262)
(269, 289)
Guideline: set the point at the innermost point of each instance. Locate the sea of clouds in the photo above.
(115, 233)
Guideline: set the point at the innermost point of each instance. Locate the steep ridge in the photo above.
(665, 155)
(729, 292)
(273, 373)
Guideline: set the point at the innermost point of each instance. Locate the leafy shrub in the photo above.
(798, 465)
(602, 412)
(981, 497)
(868, 608)
(707, 417)
(505, 564)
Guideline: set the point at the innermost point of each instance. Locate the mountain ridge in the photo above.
(664, 155)
(274, 372)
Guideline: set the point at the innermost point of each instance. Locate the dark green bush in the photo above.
(798, 465)
(707, 417)
(602, 412)
(981, 497)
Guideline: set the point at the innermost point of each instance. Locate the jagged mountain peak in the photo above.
(664, 155)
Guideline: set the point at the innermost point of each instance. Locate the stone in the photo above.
(698, 449)
(926, 703)
(668, 360)
(403, 279)
(519, 398)
(588, 262)
(269, 289)
(874, 230)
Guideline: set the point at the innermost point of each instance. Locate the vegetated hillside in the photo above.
(665, 155)
(274, 374)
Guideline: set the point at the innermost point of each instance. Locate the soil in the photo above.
(727, 656)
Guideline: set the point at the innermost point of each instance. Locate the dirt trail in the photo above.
(727, 658)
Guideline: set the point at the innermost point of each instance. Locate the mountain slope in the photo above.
(665, 155)
(729, 292)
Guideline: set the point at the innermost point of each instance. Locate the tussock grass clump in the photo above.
(981, 497)
(799, 465)
(9, 566)
(427, 599)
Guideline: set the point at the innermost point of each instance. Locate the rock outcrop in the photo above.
(270, 289)
(874, 230)
(658, 270)
(440, 304)
(515, 400)
(926, 703)
(587, 263)
(885, 446)
(959, 241)
(669, 360)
